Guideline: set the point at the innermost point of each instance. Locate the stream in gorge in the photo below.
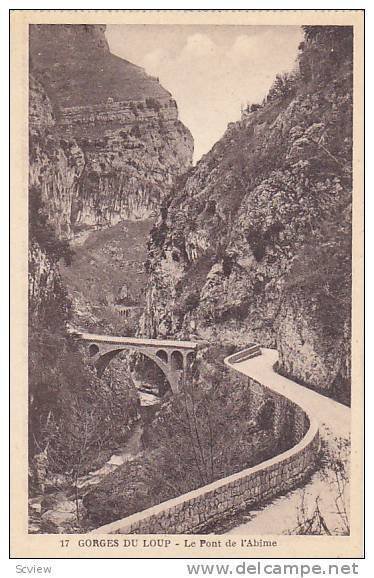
(57, 509)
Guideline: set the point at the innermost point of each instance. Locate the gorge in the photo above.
(127, 238)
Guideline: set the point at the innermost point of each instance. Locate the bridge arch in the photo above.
(93, 349)
(102, 361)
(190, 358)
(177, 360)
(161, 353)
(147, 373)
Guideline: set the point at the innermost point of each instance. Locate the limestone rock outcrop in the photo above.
(255, 242)
(106, 143)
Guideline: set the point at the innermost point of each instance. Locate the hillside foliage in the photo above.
(75, 418)
(211, 429)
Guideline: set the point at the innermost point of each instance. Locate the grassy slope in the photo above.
(106, 261)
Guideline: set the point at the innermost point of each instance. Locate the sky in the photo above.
(211, 71)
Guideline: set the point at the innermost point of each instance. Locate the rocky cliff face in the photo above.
(254, 244)
(106, 143)
(45, 285)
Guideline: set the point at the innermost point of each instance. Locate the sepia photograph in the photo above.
(194, 211)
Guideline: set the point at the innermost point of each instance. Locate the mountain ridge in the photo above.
(106, 143)
(76, 63)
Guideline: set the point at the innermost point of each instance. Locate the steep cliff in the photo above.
(75, 418)
(254, 243)
(106, 143)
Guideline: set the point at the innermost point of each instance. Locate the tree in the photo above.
(283, 86)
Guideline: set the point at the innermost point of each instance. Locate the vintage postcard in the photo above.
(187, 267)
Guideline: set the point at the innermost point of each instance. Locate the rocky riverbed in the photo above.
(60, 509)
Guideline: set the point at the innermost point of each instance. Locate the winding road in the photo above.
(328, 419)
(334, 419)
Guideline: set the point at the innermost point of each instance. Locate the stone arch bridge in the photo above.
(174, 358)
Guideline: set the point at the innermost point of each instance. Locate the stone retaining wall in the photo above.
(251, 351)
(200, 509)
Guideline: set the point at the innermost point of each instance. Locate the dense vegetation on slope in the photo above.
(216, 426)
(75, 419)
(73, 415)
(254, 243)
